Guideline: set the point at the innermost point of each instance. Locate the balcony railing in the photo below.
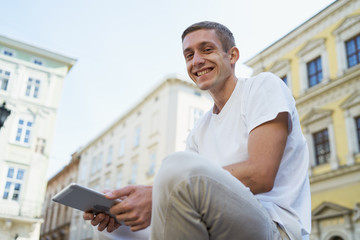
(26, 208)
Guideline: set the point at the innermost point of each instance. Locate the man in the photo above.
(244, 174)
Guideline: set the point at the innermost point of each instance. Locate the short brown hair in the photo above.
(225, 35)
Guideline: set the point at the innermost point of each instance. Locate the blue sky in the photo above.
(125, 48)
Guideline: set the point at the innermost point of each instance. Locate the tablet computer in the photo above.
(85, 199)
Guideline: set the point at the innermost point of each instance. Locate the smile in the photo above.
(203, 72)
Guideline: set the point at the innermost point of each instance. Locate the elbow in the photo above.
(267, 186)
(263, 185)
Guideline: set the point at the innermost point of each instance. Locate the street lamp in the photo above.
(4, 113)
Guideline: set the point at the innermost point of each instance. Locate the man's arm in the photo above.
(265, 147)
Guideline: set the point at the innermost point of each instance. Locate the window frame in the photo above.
(32, 89)
(348, 29)
(3, 71)
(351, 111)
(324, 143)
(314, 122)
(356, 40)
(23, 133)
(318, 73)
(13, 53)
(14, 181)
(313, 49)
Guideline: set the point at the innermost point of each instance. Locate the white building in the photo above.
(130, 151)
(31, 81)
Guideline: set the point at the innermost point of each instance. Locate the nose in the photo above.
(198, 60)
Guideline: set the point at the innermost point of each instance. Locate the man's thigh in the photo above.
(202, 198)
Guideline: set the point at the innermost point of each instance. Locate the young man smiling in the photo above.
(244, 174)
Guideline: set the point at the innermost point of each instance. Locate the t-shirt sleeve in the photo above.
(265, 97)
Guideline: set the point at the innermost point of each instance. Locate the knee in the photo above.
(180, 166)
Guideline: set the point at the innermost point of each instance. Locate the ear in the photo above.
(234, 55)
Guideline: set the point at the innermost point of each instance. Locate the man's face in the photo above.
(206, 62)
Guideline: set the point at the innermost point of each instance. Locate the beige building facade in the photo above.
(320, 62)
(31, 80)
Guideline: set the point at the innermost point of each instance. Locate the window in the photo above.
(99, 162)
(154, 127)
(38, 62)
(110, 153)
(314, 64)
(83, 170)
(23, 132)
(4, 79)
(119, 177)
(319, 130)
(346, 36)
(122, 147)
(353, 51)
(284, 78)
(8, 52)
(152, 163)
(93, 165)
(14, 181)
(107, 183)
(322, 147)
(314, 70)
(32, 88)
(351, 108)
(133, 173)
(357, 125)
(137, 136)
(40, 145)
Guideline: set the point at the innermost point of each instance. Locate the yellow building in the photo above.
(320, 62)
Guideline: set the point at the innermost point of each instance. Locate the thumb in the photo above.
(119, 193)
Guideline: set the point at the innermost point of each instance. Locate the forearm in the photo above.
(251, 176)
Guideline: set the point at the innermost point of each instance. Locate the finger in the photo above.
(124, 218)
(97, 219)
(88, 216)
(106, 191)
(112, 225)
(103, 224)
(136, 228)
(119, 193)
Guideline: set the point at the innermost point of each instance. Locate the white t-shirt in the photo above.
(223, 138)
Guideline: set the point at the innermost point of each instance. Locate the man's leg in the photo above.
(196, 199)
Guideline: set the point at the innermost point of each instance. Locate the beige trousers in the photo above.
(196, 199)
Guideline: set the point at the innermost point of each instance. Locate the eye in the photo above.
(188, 56)
(207, 50)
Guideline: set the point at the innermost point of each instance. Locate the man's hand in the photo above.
(103, 220)
(135, 208)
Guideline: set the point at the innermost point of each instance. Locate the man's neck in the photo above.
(222, 95)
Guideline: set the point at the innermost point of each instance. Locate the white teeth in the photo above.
(203, 72)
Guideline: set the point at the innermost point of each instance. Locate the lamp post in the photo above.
(4, 113)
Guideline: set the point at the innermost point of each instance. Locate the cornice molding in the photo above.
(310, 46)
(352, 100)
(328, 210)
(342, 170)
(347, 23)
(316, 115)
(279, 64)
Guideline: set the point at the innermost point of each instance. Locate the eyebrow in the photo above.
(202, 44)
